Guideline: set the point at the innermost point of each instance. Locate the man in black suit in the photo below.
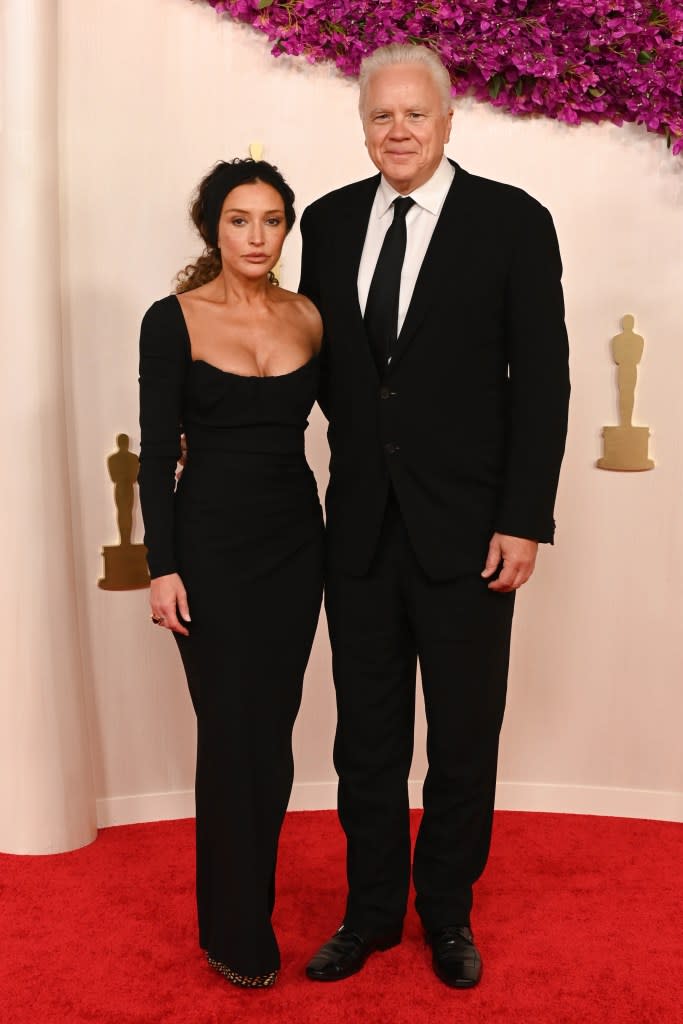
(446, 387)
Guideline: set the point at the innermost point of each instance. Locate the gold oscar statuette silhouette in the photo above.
(625, 447)
(125, 564)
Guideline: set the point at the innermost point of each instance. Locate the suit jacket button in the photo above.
(391, 448)
(384, 392)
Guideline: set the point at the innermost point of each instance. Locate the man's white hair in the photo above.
(405, 53)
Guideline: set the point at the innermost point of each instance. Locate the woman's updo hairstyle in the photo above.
(206, 206)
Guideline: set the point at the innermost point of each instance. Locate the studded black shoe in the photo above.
(242, 980)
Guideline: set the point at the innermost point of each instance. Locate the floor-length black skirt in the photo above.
(249, 547)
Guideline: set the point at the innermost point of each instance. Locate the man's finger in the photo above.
(512, 577)
(492, 559)
(506, 580)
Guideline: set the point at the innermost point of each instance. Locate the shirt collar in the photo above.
(429, 196)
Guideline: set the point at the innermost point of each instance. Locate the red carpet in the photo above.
(578, 920)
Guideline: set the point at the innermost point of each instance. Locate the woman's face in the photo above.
(251, 229)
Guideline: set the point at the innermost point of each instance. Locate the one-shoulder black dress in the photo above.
(244, 531)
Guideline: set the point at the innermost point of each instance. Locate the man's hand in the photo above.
(518, 556)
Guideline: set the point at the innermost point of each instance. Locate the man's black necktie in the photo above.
(381, 310)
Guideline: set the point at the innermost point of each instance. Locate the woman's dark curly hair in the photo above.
(206, 206)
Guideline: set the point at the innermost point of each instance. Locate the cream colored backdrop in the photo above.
(150, 95)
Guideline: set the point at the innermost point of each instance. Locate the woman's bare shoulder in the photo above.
(302, 308)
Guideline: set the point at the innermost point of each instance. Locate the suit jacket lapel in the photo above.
(446, 255)
(351, 237)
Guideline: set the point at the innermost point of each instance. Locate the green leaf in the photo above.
(262, 4)
(646, 56)
(596, 92)
(495, 85)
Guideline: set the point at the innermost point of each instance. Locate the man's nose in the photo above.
(399, 129)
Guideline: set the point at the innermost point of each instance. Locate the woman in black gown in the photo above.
(235, 552)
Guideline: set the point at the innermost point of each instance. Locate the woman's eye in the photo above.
(274, 222)
(237, 221)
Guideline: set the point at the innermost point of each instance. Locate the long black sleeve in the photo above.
(309, 286)
(539, 380)
(164, 360)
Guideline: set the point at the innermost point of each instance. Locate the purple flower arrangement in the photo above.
(573, 60)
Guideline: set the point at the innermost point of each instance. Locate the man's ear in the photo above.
(449, 125)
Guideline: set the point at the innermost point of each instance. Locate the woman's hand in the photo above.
(167, 599)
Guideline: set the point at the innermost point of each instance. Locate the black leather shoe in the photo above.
(346, 952)
(455, 957)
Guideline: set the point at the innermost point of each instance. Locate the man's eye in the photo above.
(415, 116)
(381, 117)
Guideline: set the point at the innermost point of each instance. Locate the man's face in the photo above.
(405, 125)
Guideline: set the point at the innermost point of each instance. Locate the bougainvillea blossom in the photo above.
(573, 60)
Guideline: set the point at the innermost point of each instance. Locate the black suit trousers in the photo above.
(380, 625)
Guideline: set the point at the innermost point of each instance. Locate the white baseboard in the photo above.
(131, 810)
(607, 801)
(510, 796)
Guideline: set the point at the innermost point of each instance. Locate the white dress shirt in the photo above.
(420, 223)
